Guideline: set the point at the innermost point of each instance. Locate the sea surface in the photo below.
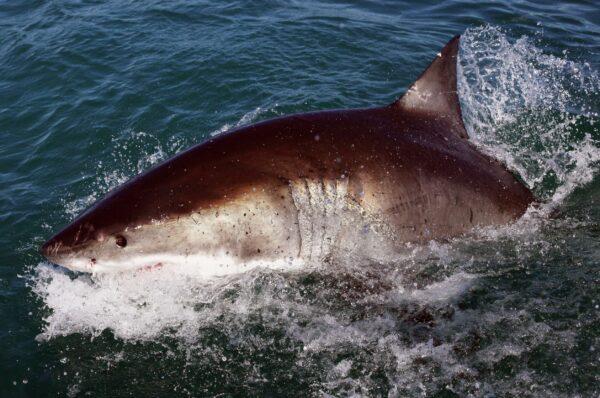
(94, 92)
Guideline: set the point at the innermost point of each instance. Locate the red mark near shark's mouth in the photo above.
(151, 267)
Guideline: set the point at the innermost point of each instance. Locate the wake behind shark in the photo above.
(304, 188)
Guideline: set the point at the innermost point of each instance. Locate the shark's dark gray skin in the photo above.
(305, 187)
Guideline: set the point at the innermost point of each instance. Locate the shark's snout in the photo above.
(73, 248)
(68, 241)
(50, 248)
(55, 249)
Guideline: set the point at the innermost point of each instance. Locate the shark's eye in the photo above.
(120, 241)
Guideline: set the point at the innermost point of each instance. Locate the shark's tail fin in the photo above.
(435, 91)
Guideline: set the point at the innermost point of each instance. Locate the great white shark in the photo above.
(305, 187)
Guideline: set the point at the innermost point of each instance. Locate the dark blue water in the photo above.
(92, 93)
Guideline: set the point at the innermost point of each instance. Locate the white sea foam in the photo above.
(135, 305)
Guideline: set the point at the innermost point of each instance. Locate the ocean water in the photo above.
(92, 93)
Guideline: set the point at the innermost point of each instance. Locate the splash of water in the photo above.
(125, 163)
(532, 110)
(248, 118)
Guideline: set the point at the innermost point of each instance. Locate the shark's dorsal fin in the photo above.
(435, 91)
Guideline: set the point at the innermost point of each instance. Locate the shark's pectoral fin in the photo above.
(435, 91)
